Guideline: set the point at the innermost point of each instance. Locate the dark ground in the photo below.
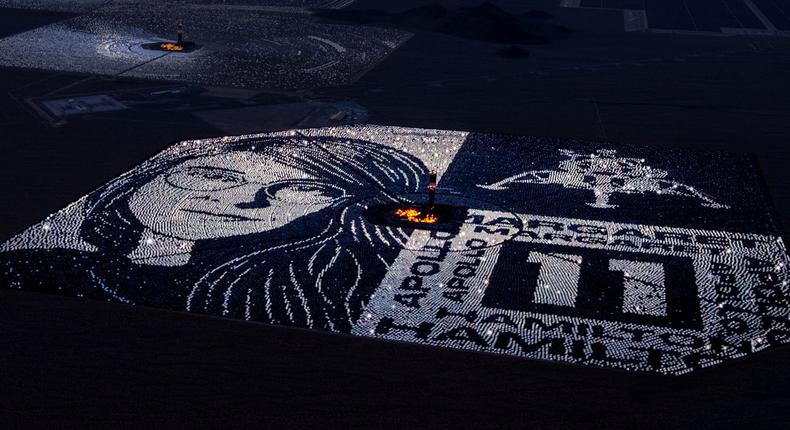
(18, 20)
(75, 363)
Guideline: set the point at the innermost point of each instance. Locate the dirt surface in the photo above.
(71, 363)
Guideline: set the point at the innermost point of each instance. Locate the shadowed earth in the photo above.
(73, 363)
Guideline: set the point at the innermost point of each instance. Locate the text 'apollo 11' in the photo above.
(593, 253)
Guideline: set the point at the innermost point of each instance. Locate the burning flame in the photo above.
(170, 46)
(415, 215)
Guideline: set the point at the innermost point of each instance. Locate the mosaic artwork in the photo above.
(592, 253)
(90, 5)
(247, 44)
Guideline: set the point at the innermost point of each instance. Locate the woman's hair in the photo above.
(315, 271)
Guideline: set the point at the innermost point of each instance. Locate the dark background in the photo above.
(66, 362)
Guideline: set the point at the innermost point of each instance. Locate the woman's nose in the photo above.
(259, 201)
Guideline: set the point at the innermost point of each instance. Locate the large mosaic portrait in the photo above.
(592, 253)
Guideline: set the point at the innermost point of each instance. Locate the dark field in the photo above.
(702, 15)
(74, 363)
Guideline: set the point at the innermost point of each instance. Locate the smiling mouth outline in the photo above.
(226, 216)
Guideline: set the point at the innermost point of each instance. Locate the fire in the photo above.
(169, 46)
(416, 215)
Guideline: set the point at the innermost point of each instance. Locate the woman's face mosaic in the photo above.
(232, 194)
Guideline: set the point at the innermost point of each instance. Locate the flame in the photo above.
(169, 46)
(415, 215)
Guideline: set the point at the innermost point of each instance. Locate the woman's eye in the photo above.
(303, 189)
(305, 192)
(307, 189)
(216, 175)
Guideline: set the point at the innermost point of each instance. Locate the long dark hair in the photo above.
(314, 272)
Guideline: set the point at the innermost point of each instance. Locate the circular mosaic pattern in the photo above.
(462, 234)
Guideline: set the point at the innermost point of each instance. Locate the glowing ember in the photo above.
(169, 46)
(416, 215)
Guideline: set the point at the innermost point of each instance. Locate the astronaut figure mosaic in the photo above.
(592, 253)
